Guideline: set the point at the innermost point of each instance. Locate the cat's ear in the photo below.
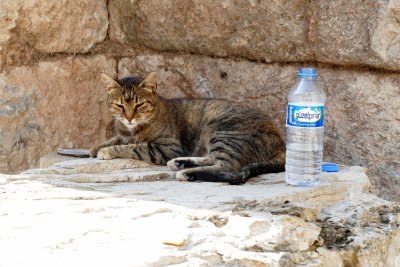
(112, 85)
(150, 82)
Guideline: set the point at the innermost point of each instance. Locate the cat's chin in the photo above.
(128, 125)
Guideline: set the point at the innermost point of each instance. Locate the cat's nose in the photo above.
(129, 118)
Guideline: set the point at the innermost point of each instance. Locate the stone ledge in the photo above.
(76, 211)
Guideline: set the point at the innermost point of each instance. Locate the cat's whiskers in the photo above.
(151, 124)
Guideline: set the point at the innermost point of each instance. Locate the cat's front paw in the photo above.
(107, 153)
(93, 151)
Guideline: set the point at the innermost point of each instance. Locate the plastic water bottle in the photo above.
(305, 130)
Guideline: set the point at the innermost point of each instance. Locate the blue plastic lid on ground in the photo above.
(330, 167)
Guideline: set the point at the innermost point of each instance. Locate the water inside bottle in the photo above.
(304, 144)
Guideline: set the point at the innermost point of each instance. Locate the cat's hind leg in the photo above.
(217, 174)
(206, 172)
(189, 162)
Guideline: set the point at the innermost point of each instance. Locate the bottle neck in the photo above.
(307, 78)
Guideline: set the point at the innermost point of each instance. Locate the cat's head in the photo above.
(132, 100)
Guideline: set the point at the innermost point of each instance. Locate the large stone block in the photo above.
(260, 30)
(340, 32)
(362, 126)
(357, 32)
(260, 223)
(49, 105)
(51, 26)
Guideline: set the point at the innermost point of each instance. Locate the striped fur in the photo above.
(203, 139)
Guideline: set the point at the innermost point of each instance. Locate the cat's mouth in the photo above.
(129, 124)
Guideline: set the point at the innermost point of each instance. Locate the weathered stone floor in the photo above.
(88, 212)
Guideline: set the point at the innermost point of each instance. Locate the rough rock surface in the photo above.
(362, 124)
(357, 32)
(269, 31)
(49, 105)
(340, 32)
(51, 52)
(50, 26)
(57, 218)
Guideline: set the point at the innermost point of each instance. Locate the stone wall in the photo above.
(52, 52)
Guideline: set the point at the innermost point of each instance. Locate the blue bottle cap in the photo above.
(307, 72)
(330, 167)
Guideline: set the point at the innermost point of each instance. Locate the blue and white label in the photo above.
(305, 116)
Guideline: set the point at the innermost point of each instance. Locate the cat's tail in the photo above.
(244, 174)
(241, 176)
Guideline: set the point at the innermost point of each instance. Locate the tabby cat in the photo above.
(203, 139)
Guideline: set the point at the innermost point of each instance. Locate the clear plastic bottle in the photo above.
(305, 130)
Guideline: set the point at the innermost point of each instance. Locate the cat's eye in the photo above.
(143, 105)
(119, 106)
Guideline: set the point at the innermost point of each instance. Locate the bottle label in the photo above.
(305, 116)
